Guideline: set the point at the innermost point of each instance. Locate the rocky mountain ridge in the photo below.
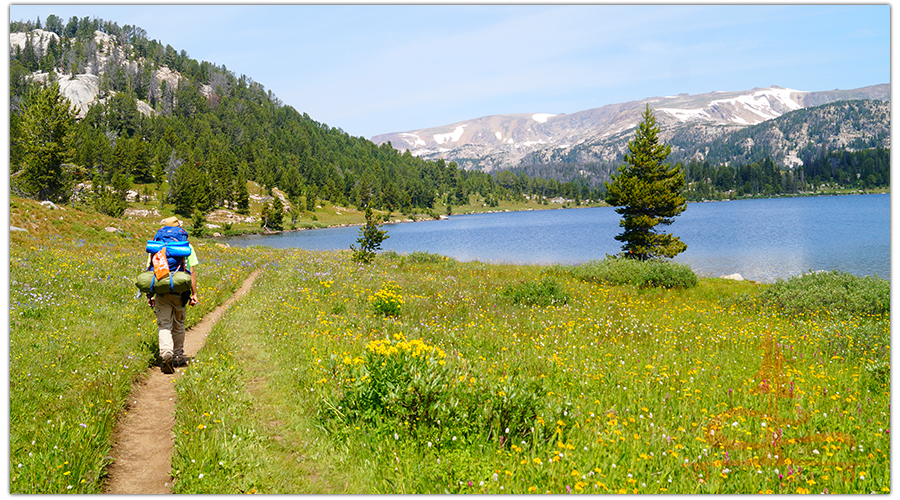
(83, 89)
(601, 134)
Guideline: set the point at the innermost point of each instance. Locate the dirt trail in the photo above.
(142, 453)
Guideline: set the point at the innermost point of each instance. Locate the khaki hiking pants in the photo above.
(170, 320)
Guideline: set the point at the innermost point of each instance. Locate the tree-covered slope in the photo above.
(199, 131)
(795, 138)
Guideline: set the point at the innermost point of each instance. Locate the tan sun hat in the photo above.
(171, 222)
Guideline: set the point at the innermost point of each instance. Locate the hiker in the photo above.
(169, 307)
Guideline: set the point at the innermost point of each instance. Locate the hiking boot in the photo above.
(181, 361)
(167, 366)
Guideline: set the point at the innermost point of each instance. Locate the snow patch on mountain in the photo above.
(541, 117)
(747, 109)
(417, 141)
(686, 114)
(451, 137)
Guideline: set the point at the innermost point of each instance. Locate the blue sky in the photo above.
(372, 69)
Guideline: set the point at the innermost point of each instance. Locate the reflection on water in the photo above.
(763, 240)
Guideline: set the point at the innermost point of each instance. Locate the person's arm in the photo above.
(192, 262)
(150, 300)
(194, 297)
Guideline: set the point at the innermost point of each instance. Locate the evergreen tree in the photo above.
(370, 238)
(390, 197)
(648, 193)
(311, 194)
(294, 209)
(276, 216)
(198, 224)
(189, 189)
(105, 199)
(264, 215)
(45, 136)
(159, 174)
(202, 199)
(139, 162)
(242, 196)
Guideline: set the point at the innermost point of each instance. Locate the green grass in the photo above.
(625, 271)
(830, 292)
(80, 336)
(538, 293)
(639, 378)
(307, 386)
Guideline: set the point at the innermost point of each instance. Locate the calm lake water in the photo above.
(763, 240)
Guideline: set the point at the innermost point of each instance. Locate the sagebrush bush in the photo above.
(834, 292)
(543, 293)
(638, 273)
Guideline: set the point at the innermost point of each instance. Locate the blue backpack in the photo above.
(168, 235)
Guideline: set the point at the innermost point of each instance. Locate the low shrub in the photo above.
(832, 292)
(396, 379)
(390, 255)
(878, 375)
(543, 293)
(415, 383)
(425, 257)
(626, 271)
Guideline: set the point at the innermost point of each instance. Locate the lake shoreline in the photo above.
(761, 240)
(446, 217)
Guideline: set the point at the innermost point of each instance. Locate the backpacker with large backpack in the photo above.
(167, 272)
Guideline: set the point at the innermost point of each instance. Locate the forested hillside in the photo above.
(828, 172)
(197, 132)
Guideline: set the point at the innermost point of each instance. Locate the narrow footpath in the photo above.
(143, 440)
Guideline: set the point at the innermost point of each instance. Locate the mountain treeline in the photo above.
(806, 134)
(840, 146)
(829, 171)
(842, 169)
(208, 134)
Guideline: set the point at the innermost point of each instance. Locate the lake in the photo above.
(762, 239)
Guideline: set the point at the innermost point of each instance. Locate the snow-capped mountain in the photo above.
(601, 134)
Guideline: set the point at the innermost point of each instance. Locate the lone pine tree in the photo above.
(370, 239)
(648, 193)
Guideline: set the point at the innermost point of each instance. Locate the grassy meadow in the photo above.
(80, 335)
(421, 374)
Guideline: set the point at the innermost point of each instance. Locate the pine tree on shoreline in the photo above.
(648, 193)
